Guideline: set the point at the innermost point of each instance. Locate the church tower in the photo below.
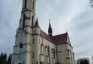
(22, 50)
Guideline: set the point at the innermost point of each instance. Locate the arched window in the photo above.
(33, 5)
(24, 20)
(33, 55)
(21, 45)
(32, 21)
(25, 3)
(33, 41)
(20, 48)
(49, 52)
(54, 53)
(44, 52)
(41, 49)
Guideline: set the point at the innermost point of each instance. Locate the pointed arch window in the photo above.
(41, 49)
(33, 55)
(54, 53)
(24, 20)
(44, 52)
(33, 5)
(48, 52)
(33, 41)
(25, 3)
(32, 21)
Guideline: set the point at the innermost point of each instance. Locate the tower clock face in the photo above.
(21, 45)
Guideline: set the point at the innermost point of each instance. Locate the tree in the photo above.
(83, 61)
(91, 3)
(4, 60)
(9, 59)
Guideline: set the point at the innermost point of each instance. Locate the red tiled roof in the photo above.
(58, 39)
(46, 36)
(36, 24)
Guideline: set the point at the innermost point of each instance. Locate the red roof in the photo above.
(36, 24)
(46, 36)
(58, 39)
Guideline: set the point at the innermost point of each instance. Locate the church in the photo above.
(34, 46)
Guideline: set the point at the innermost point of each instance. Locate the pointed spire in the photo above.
(49, 24)
(36, 24)
(50, 29)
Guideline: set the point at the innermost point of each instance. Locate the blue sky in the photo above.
(73, 16)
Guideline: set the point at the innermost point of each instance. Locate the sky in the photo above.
(73, 16)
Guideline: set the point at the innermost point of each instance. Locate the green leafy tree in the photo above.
(1, 58)
(4, 60)
(9, 59)
(83, 61)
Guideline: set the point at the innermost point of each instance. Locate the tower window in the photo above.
(21, 45)
(32, 20)
(25, 4)
(24, 20)
(33, 5)
(33, 41)
(33, 55)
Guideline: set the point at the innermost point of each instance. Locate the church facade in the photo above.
(34, 46)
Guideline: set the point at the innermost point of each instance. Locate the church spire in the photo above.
(36, 24)
(49, 29)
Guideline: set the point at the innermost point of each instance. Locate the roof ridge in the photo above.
(59, 34)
